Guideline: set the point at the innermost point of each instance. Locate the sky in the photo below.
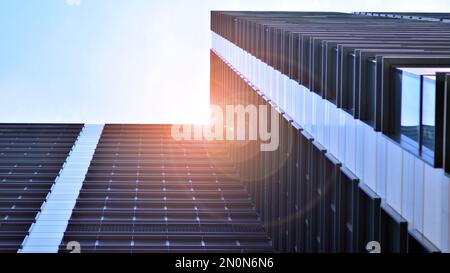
(125, 61)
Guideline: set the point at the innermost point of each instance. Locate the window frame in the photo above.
(391, 104)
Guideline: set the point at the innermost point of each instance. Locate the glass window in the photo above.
(348, 87)
(428, 114)
(416, 90)
(410, 108)
(371, 90)
(332, 75)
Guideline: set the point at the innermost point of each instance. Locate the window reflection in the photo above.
(428, 113)
(410, 107)
(415, 92)
(332, 79)
(371, 91)
(348, 103)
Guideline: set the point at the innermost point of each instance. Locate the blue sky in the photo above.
(117, 61)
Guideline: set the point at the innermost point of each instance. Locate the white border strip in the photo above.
(417, 191)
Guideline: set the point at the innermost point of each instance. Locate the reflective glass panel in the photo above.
(410, 107)
(371, 89)
(428, 113)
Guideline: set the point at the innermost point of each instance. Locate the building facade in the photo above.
(361, 105)
(363, 108)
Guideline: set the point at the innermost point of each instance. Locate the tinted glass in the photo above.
(371, 89)
(349, 86)
(410, 107)
(428, 113)
(333, 76)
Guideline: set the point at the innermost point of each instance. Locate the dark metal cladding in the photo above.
(31, 156)
(145, 192)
